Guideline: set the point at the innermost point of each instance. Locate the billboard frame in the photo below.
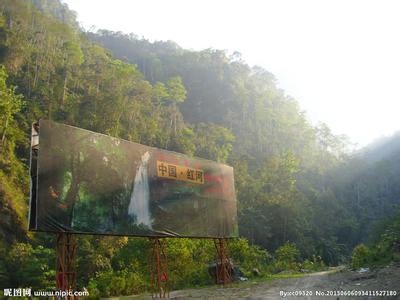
(34, 175)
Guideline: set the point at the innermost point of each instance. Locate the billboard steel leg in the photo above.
(66, 262)
(223, 264)
(159, 268)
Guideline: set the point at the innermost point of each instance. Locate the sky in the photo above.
(339, 59)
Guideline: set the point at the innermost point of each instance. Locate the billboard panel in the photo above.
(86, 182)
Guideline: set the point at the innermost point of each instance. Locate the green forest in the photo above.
(305, 201)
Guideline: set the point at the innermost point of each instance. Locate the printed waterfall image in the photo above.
(139, 205)
(86, 182)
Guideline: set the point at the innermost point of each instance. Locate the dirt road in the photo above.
(311, 286)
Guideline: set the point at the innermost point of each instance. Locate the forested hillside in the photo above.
(269, 128)
(298, 187)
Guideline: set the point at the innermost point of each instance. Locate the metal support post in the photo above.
(159, 268)
(223, 263)
(66, 262)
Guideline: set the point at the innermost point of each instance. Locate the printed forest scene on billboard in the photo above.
(86, 182)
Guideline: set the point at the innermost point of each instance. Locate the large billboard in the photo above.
(86, 182)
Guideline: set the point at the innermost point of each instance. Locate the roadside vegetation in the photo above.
(383, 247)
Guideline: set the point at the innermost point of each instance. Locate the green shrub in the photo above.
(314, 264)
(360, 257)
(115, 283)
(29, 266)
(247, 256)
(286, 259)
(287, 253)
(134, 283)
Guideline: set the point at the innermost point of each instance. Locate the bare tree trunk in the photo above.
(36, 72)
(29, 79)
(284, 228)
(3, 137)
(64, 89)
(175, 113)
(72, 193)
